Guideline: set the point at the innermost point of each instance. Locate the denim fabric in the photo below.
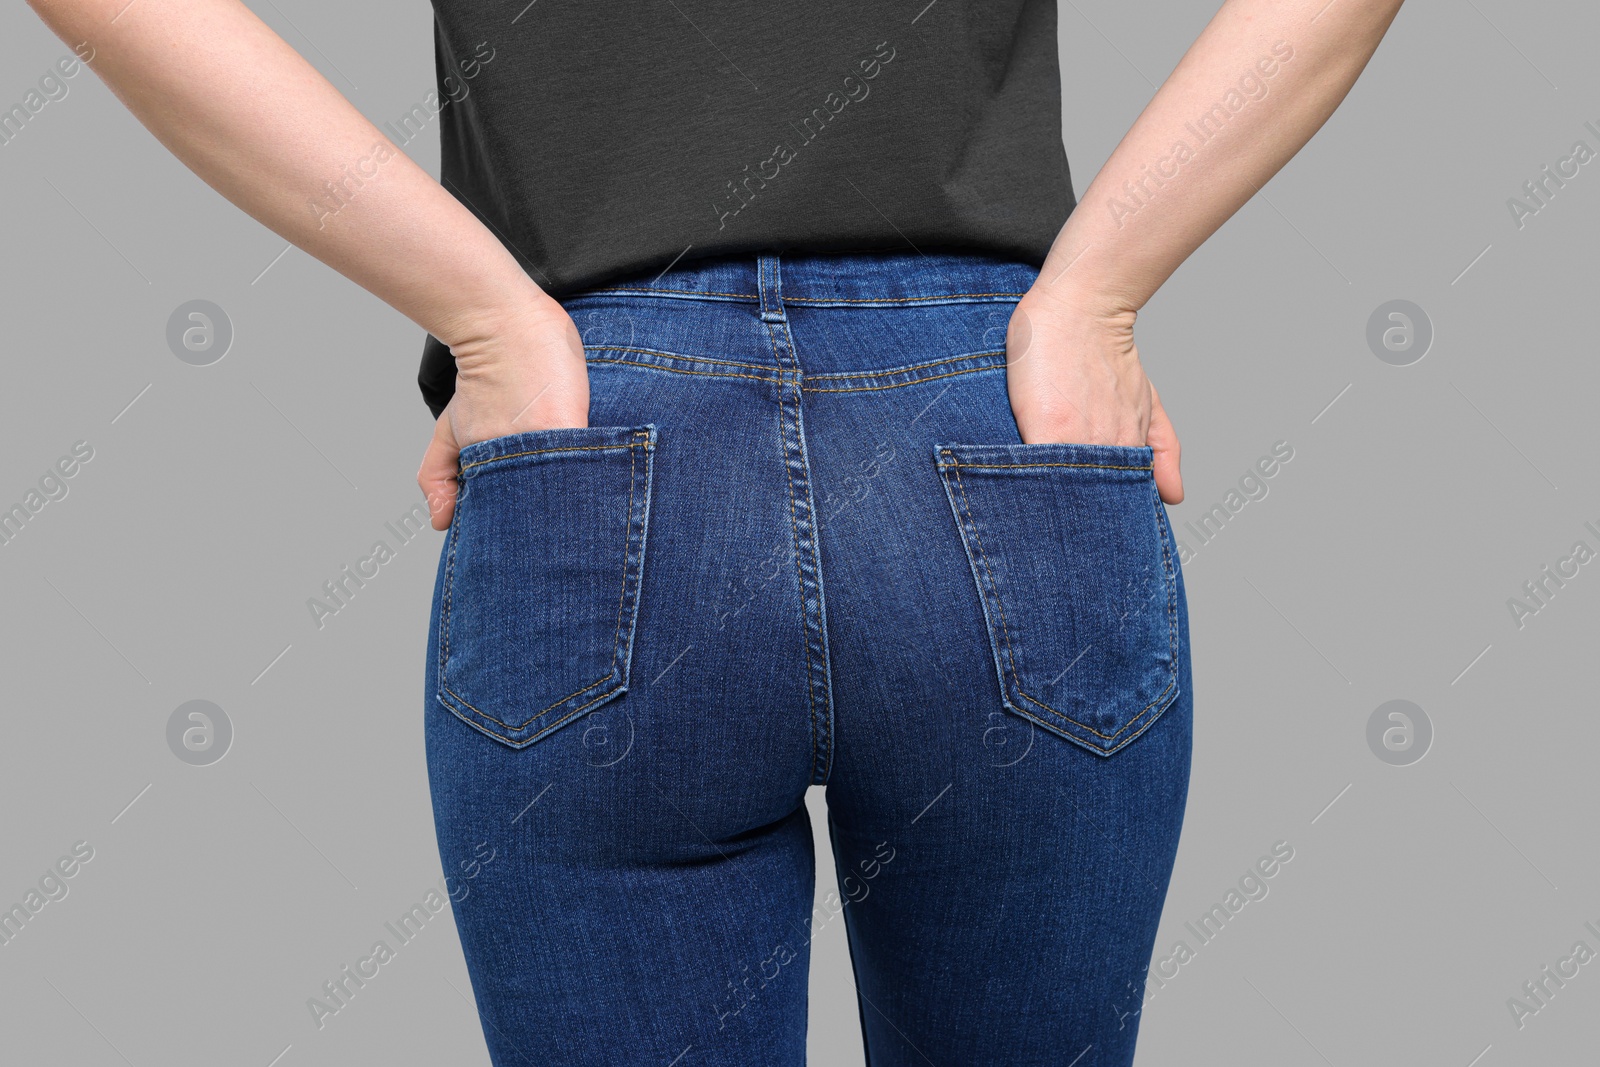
(801, 542)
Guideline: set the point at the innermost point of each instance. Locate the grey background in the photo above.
(1379, 566)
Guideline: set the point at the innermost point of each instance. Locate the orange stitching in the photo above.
(997, 466)
(449, 585)
(544, 730)
(756, 297)
(563, 700)
(641, 289)
(901, 385)
(794, 528)
(1091, 729)
(782, 371)
(1011, 657)
(674, 355)
(541, 714)
(679, 370)
(900, 370)
(627, 548)
(542, 451)
(772, 339)
(1006, 631)
(888, 299)
(578, 710)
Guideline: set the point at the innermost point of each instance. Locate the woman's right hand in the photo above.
(527, 373)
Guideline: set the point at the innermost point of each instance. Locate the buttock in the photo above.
(801, 543)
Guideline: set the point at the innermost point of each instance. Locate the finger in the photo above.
(437, 475)
(1163, 441)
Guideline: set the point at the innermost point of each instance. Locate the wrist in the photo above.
(489, 316)
(1079, 303)
(1088, 280)
(530, 328)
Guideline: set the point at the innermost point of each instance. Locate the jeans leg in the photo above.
(1003, 882)
(633, 885)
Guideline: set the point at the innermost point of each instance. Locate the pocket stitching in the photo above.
(629, 571)
(993, 594)
(541, 714)
(544, 451)
(954, 463)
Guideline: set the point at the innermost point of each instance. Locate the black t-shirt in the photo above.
(602, 140)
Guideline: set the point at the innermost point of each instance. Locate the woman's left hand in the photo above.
(1073, 375)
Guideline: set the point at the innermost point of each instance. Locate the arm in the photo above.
(1260, 80)
(252, 118)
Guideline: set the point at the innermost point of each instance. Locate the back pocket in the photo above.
(1075, 568)
(542, 577)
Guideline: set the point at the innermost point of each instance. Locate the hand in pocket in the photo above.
(1073, 376)
(527, 373)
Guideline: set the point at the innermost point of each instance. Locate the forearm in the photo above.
(1260, 80)
(260, 125)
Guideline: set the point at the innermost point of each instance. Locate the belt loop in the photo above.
(769, 281)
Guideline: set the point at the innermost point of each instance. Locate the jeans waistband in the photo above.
(836, 279)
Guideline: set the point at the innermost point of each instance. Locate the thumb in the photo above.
(1163, 441)
(437, 475)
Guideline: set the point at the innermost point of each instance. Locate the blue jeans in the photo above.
(801, 543)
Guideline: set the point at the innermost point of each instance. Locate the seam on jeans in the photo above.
(794, 526)
(616, 639)
(542, 714)
(994, 595)
(543, 451)
(658, 289)
(627, 549)
(542, 730)
(866, 375)
(756, 297)
(772, 339)
(579, 710)
(796, 380)
(449, 581)
(823, 749)
(901, 370)
(674, 355)
(1005, 630)
(901, 385)
(822, 731)
(679, 370)
(635, 552)
(1120, 730)
(954, 463)
(889, 299)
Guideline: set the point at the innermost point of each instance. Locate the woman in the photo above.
(790, 431)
